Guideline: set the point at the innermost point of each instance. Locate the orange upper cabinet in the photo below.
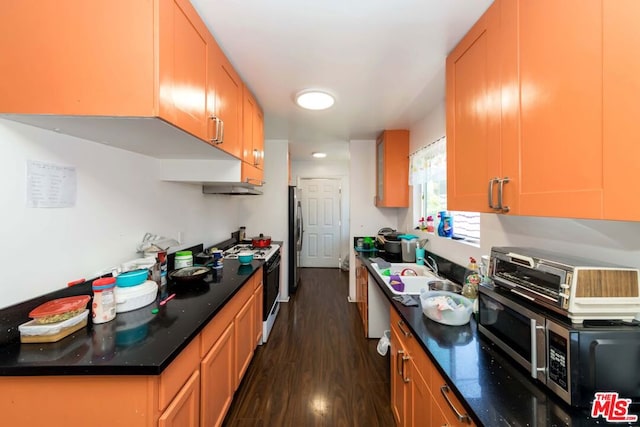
(392, 169)
(226, 86)
(548, 154)
(473, 114)
(119, 59)
(253, 131)
(621, 105)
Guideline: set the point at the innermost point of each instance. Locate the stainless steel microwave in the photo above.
(573, 361)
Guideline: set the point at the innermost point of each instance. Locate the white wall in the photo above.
(366, 218)
(118, 200)
(268, 213)
(612, 241)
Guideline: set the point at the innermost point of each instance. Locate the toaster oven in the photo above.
(577, 288)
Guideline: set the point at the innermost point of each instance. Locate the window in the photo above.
(428, 176)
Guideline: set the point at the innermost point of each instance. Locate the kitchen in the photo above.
(120, 198)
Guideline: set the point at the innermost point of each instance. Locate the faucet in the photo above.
(433, 265)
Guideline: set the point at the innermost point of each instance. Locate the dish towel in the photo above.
(396, 282)
(381, 263)
(407, 300)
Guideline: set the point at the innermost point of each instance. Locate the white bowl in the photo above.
(456, 317)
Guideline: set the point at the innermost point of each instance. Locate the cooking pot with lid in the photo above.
(261, 241)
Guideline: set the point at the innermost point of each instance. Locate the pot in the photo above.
(393, 247)
(261, 241)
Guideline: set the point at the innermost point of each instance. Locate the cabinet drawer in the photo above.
(435, 385)
(224, 317)
(178, 372)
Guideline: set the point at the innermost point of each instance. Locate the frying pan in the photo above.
(188, 274)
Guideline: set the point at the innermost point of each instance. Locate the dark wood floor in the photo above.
(317, 369)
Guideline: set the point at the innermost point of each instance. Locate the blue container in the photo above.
(445, 228)
(245, 258)
(132, 278)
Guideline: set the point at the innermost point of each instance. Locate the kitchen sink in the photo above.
(412, 283)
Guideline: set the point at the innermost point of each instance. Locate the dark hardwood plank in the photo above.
(317, 369)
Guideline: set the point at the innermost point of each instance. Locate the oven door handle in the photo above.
(534, 348)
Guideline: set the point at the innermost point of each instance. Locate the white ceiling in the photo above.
(382, 59)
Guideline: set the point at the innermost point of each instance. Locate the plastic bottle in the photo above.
(430, 227)
(183, 259)
(103, 307)
(445, 228)
(471, 282)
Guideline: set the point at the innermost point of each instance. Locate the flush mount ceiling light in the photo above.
(314, 99)
(318, 155)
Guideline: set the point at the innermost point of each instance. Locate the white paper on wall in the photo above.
(50, 185)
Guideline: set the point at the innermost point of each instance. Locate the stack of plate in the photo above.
(133, 290)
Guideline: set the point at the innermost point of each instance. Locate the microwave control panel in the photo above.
(558, 354)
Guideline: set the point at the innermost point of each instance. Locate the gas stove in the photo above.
(258, 253)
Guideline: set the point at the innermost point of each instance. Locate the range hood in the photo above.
(216, 176)
(231, 189)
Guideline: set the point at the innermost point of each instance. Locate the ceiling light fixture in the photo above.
(314, 100)
(318, 155)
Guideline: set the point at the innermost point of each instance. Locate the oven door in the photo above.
(271, 285)
(517, 330)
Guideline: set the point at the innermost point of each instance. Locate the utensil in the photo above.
(261, 241)
(167, 299)
(188, 274)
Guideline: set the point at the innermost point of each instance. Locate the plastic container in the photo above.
(430, 226)
(183, 259)
(420, 253)
(132, 278)
(245, 257)
(103, 308)
(32, 328)
(60, 309)
(409, 249)
(132, 298)
(456, 317)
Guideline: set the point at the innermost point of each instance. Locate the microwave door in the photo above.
(516, 330)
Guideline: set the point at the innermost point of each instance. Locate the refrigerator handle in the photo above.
(301, 226)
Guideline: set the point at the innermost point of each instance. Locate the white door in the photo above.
(321, 218)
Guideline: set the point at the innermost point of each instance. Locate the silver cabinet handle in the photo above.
(490, 192)
(221, 131)
(404, 362)
(399, 358)
(406, 333)
(534, 348)
(463, 418)
(256, 157)
(214, 140)
(501, 183)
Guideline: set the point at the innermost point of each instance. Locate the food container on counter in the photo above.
(34, 332)
(245, 257)
(183, 259)
(103, 308)
(132, 278)
(59, 309)
(132, 298)
(446, 307)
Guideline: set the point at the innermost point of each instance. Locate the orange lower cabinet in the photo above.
(184, 410)
(244, 338)
(218, 379)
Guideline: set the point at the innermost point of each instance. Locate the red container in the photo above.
(261, 241)
(59, 309)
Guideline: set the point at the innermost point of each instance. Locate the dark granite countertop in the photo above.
(494, 390)
(134, 343)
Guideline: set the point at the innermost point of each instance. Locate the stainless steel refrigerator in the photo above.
(296, 231)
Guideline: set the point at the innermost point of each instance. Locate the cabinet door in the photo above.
(560, 53)
(228, 89)
(398, 386)
(218, 379)
(182, 55)
(184, 411)
(251, 174)
(392, 169)
(258, 296)
(621, 86)
(244, 338)
(258, 137)
(421, 400)
(248, 117)
(473, 106)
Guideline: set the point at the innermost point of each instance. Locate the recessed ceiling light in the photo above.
(319, 155)
(314, 100)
